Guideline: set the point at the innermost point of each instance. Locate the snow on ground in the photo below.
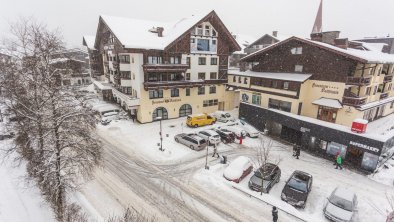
(20, 202)
(325, 178)
(385, 174)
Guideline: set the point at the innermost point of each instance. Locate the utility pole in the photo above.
(161, 134)
(206, 160)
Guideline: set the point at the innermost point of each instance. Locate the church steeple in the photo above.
(317, 27)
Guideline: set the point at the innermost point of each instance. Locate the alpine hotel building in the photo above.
(167, 70)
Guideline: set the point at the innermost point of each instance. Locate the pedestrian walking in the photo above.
(298, 152)
(294, 149)
(274, 214)
(215, 151)
(133, 117)
(339, 162)
(335, 159)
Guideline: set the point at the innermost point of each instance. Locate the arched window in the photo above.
(185, 110)
(160, 112)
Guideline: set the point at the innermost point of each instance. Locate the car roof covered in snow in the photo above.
(344, 193)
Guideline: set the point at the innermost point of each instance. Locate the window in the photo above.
(213, 32)
(125, 74)
(298, 68)
(192, 40)
(187, 76)
(213, 41)
(368, 91)
(201, 75)
(154, 60)
(160, 112)
(214, 61)
(155, 94)
(185, 110)
(375, 90)
(234, 78)
(212, 102)
(286, 85)
(201, 90)
(389, 87)
(202, 44)
(296, 51)
(187, 91)
(212, 89)
(239, 79)
(256, 99)
(213, 75)
(124, 59)
(202, 60)
(274, 84)
(175, 60)
(280, 105)
(245, 80)
(207, 31)
(199, 30)
(174, 92)
(188, 60)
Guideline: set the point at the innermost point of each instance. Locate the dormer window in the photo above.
(207, 30)
(296, 51)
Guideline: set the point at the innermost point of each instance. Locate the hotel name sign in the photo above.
(326, 88)
(169, 100)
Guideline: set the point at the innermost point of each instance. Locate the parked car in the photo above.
(110, 116)
(225, 135)
(271, 175)
(250, 130)
(390, 217)
(7, 135)
(238, 132)
(200, 120)
(105, 122)
(209, 135)
(238, 169)
(341, 205)
(191, 140)
(297, 189)
(223, 116)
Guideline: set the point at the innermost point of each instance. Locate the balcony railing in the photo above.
(384, 95)
(173, 84)
(165, 67)
(388, 79)
(358, 81)
(352, 99)
(216, 81)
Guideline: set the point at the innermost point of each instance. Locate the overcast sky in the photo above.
(75, 18)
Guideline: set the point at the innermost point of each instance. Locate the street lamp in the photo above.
(161, 134)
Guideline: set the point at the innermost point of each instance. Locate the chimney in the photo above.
(342, 43)
(160, 31)
(275, 33)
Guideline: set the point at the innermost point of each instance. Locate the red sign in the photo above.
(359, 127)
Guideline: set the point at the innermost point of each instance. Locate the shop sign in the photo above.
(326, 88)
(363, 146)
(170, 100)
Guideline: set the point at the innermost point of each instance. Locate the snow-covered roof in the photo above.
(243, 41)
(89, 40)
(378, 47)
(296, 77)
(363, 55)
(101, 85)
(57, 60)
(333, 103)
(376, 103)
(134, 33)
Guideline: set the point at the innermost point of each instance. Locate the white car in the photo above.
(209, 135)
(341, 205)
(250, 130)
(238, 169)
(223, 116)
(110, 116)
(238, 131)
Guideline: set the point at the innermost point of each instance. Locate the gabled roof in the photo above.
(244, 41)
(88, 41)
(278, 38)
(134, 33)
(354, 54)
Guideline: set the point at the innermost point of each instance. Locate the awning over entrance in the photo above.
(333, 103)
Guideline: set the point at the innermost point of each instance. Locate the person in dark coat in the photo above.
(298, 152)
(274, 214)
(294, 149)
(133, 117)
(215, 151)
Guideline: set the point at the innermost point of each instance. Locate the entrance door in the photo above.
(221, 106)
(160, 112)
(327, 114)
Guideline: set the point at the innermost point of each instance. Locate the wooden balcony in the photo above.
(352, 99)
(173, 84)
(384, 95)
(149, 68)
(358, 81)
(388, 79)
(216, 81)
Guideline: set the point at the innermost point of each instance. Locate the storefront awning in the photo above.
(333, 103)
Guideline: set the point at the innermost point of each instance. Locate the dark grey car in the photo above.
(297, 189)
(271, 175)
(191, 140)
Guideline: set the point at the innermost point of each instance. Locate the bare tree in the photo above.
(54, 133)
(132, 215)
(264, 156)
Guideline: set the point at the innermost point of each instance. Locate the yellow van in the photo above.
(200, 120)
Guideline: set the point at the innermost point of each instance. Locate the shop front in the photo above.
(316, 136)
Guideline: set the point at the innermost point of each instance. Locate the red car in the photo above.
(238, 169)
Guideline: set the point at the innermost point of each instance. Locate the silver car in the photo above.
(341, 205)
(211, 136)
(191, 140)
